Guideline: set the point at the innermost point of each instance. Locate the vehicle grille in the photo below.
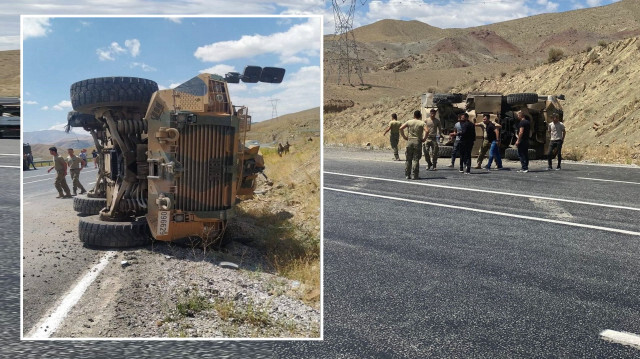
(206, 154)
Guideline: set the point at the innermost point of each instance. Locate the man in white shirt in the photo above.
(557, 133)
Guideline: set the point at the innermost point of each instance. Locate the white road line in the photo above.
(487, 191)
(621, 338)
(9, 154)
(50, 323)
(606, 180)
(46, 179)
(3, 166)
(488, 212)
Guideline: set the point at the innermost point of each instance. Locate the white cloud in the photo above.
(219, 69)
(177, 20)
(44, 108)
(62, 105)
(9, 42)
(143, 66)
(134, 46)
(549, 6)
(110, 52)
(28, 102)
(35, 27)
(593, 3)
(299, 38)
(174, 85)
(447, 15)
(294, 60)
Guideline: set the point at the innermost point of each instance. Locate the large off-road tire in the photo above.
(445, 151)
(512, 154)
(97, 233)
(87, 95)
(87, 205)
(524, 98)
(444, 98)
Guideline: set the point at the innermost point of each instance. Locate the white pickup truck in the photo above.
(10, 117)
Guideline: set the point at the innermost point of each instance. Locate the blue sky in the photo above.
(58, 51)
(440, 13)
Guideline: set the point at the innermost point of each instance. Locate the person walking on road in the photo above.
(95, 158)
(60, 165)
(430, 147)
(417, 131)
(76, 164)
(30, 161)
(457, 133)
(557, 133)
(492, 136)
(394, 136)
(524, 127)
(467, 137)
(83, 157)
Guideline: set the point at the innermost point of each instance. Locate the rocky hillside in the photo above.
(10, 73)
(440, 59)
(301, 124)
(602, 104)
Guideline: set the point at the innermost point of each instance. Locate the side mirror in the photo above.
(251, 74)
(232, 77)
(272, 75)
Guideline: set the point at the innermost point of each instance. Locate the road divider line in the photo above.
(606, 180)
(624, 338)
(487, 191)
(9, 154)
(3, 166)
(623, 231)
(50, 323)
(42, 180)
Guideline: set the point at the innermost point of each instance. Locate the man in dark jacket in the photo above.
(468, 136)
(524, 127)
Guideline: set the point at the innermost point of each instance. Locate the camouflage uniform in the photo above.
(75, 165)
(394, 136)
(415, 129)
(486, 145)
(432, 143)
(61, 182)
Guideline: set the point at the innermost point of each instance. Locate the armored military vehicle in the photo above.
(171, 162)
(502, 109)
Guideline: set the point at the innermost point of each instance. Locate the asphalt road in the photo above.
(447, 267)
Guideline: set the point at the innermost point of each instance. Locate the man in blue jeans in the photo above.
(524, 127)
(457, 133)
(492, 135)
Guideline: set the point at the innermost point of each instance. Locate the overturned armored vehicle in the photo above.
(502, 110)
(171, 162)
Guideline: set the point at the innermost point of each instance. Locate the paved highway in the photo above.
(465, 266)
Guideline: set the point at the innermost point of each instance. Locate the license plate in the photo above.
(163, 223)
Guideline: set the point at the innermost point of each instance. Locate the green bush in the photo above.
(602, 43)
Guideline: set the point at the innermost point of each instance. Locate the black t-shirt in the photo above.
(491, 132)
(468, 132)
(526, 125)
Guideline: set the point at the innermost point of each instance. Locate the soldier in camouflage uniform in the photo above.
(76, 164)
(431, 144)
(394, 137)
(60, 166)
(417, 131)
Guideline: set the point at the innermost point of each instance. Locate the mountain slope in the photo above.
(602, 107)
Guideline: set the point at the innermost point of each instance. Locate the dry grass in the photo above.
(289, 218)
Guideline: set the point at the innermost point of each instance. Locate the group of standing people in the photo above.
(424, 136)
(74, 164)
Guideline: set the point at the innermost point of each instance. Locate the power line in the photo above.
(274, 107)
(344, 54)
